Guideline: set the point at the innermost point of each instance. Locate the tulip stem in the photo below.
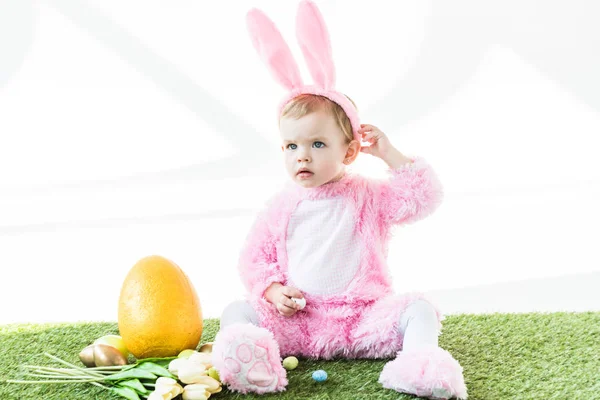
(57, 381)
(71, 365)
(69, 377)
(61, 371)
(102, 386)
(108, 367)
(66, 375)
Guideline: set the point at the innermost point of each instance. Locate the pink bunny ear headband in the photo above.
(313, 38)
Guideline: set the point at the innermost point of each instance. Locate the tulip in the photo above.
(201, 358)
(191, 372)
(212, 385)
(166, 389)
(195, 392)
(176, 364)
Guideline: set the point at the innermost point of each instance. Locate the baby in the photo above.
(324, 239)
(322, 242)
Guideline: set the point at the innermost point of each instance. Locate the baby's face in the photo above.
(316, 144)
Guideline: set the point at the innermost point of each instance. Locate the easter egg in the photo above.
(319, 375)
(115, 341)
(186, 353)
(159, 311)
(301, 302)
(290, 363)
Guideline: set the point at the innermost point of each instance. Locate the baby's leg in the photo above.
(238, 312)
(246, 355)
(422, 367)
(419, 326)
(379, 333)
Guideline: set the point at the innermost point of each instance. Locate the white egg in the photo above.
(301, 302)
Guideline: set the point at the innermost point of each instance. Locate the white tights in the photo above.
(419, 325)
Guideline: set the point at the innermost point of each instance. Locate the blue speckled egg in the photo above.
(319, 375)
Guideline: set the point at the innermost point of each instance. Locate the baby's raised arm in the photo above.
(413, 191)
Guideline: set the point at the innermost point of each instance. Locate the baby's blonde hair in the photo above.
(306, 103)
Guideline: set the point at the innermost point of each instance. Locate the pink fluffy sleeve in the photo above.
(412, 193)
(258, 266)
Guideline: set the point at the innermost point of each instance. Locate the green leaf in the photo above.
(134, 384)
(125, 392)
(155, 369)
(133, 373)
(162, 361)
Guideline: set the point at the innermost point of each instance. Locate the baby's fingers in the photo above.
(366, 149)
(368, 127)
(371, 137)
(286, 301)
(292, 292)
(285, 310)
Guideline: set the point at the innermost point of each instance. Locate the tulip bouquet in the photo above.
(190, 375)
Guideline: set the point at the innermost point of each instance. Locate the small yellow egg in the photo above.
(290, 363)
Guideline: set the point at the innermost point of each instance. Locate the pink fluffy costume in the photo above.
(330, 242)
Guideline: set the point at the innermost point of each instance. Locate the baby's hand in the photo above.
(379, 144)
(280, 296)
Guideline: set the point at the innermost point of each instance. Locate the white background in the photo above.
(132, 128)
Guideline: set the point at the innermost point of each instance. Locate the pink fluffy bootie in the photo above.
(429, 372)
(247, 358)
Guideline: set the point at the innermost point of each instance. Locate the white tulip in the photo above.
(191, 372)
(164, 381)
(212, 385)
(176, 364)
(201, 358)
(196, 392)
(165, 389)
(157, 396)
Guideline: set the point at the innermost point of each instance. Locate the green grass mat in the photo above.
(504, 356)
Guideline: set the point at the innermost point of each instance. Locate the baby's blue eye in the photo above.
(318, 145)
(292, 146)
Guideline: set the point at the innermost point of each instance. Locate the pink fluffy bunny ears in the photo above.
(313, 38)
